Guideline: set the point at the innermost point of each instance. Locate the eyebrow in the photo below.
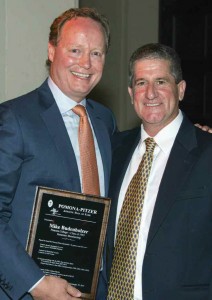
(139, 79)
(157, 78)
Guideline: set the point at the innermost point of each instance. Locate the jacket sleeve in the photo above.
(18, 272)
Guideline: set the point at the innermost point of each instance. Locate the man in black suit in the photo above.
(174, 249)
(39, 146)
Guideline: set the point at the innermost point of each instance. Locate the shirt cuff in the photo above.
(36, 284)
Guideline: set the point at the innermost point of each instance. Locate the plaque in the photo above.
(67, 234)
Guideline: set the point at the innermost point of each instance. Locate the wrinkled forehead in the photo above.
(156, 65)
(165, 63)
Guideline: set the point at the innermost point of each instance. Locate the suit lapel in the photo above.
(182, 157)
(57, 130)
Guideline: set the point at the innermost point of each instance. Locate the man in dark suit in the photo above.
(39, 146)
(174, 247)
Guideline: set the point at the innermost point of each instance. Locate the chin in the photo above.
(153, 119)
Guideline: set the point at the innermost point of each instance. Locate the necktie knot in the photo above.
(79, 110)
(150, 145)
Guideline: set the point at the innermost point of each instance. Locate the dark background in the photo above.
(187, 26)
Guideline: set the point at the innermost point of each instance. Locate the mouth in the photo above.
(81, 75)
(152, 104)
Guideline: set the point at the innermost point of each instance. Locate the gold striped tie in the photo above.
(122, 278)
(89, 169)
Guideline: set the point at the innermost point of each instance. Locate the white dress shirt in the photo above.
(164, 140)
(71, 121)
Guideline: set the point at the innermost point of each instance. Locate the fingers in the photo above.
(204, 127)
(198, 125)
(54, 288)
(72, 291)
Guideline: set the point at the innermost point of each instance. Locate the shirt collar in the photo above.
(166, 136)
(64, 103)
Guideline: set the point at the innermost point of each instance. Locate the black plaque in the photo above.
(67, 234)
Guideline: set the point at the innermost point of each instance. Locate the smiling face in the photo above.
(77, 60)
(155, 94)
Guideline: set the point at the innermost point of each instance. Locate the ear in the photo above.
(51, 51)
(181, 89)
(130, 91)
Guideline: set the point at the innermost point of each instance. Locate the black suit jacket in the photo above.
(35, 149)
(178, 259)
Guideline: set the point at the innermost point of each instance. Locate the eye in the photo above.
(160, 81)
(97, 53)
(74, 51)
(140, 83)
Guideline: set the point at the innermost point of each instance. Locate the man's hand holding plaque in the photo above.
(54, 288)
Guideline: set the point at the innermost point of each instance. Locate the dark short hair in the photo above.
(84, 12)
(156, 51)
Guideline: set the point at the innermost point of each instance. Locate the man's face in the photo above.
(78, 59)
(154, 93)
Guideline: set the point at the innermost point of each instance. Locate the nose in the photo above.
(85, 61)
(151, 92)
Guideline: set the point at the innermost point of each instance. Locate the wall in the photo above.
(132, 23)
(24, 29)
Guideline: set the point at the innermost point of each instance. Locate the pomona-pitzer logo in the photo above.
(54, 211)
(50, 203)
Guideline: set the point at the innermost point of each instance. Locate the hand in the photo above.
(204, 127)
(54, 288)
